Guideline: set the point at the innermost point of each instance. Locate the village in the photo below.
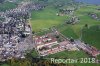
(15, 31)
(16, 34)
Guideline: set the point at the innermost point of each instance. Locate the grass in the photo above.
(86, 64)
(46, 19)
(34, 53)
(4, 65)
(92, 36)
(98, 57)
(73, 55)
(84, 18)
(6, 6)
(69, 54)
(68, 32)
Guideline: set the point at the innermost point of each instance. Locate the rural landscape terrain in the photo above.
(34, 31)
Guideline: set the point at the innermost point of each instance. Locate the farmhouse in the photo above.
(94, 16)
(92, 51)
(66, 11)
(73, 20)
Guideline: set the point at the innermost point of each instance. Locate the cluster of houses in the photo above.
(67, 11)
(73, 20)
(91, 50)
(15, 30)
(11, 0)
(15, 33)
(98, 9)
(55, 42)
(52, 43)
(94, 16)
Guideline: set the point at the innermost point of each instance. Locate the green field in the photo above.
(46, 19)
(7, 5)
(92, 36)
(69, 54)
(73, 55)
(5, 65)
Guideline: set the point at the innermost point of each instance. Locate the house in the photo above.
(49, 44)
(46, 40)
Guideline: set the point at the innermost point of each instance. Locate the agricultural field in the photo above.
(42, 20)
(69, 54)
(91, 35)
(73, 55)
(47, 18)
(7, 5)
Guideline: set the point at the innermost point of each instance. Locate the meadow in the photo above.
(7, 5)
(47, 18)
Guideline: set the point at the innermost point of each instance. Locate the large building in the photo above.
(52, 43)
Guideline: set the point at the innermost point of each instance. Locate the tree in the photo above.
(86, 25)
(33, 32)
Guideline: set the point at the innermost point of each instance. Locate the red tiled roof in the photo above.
(44, 39)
